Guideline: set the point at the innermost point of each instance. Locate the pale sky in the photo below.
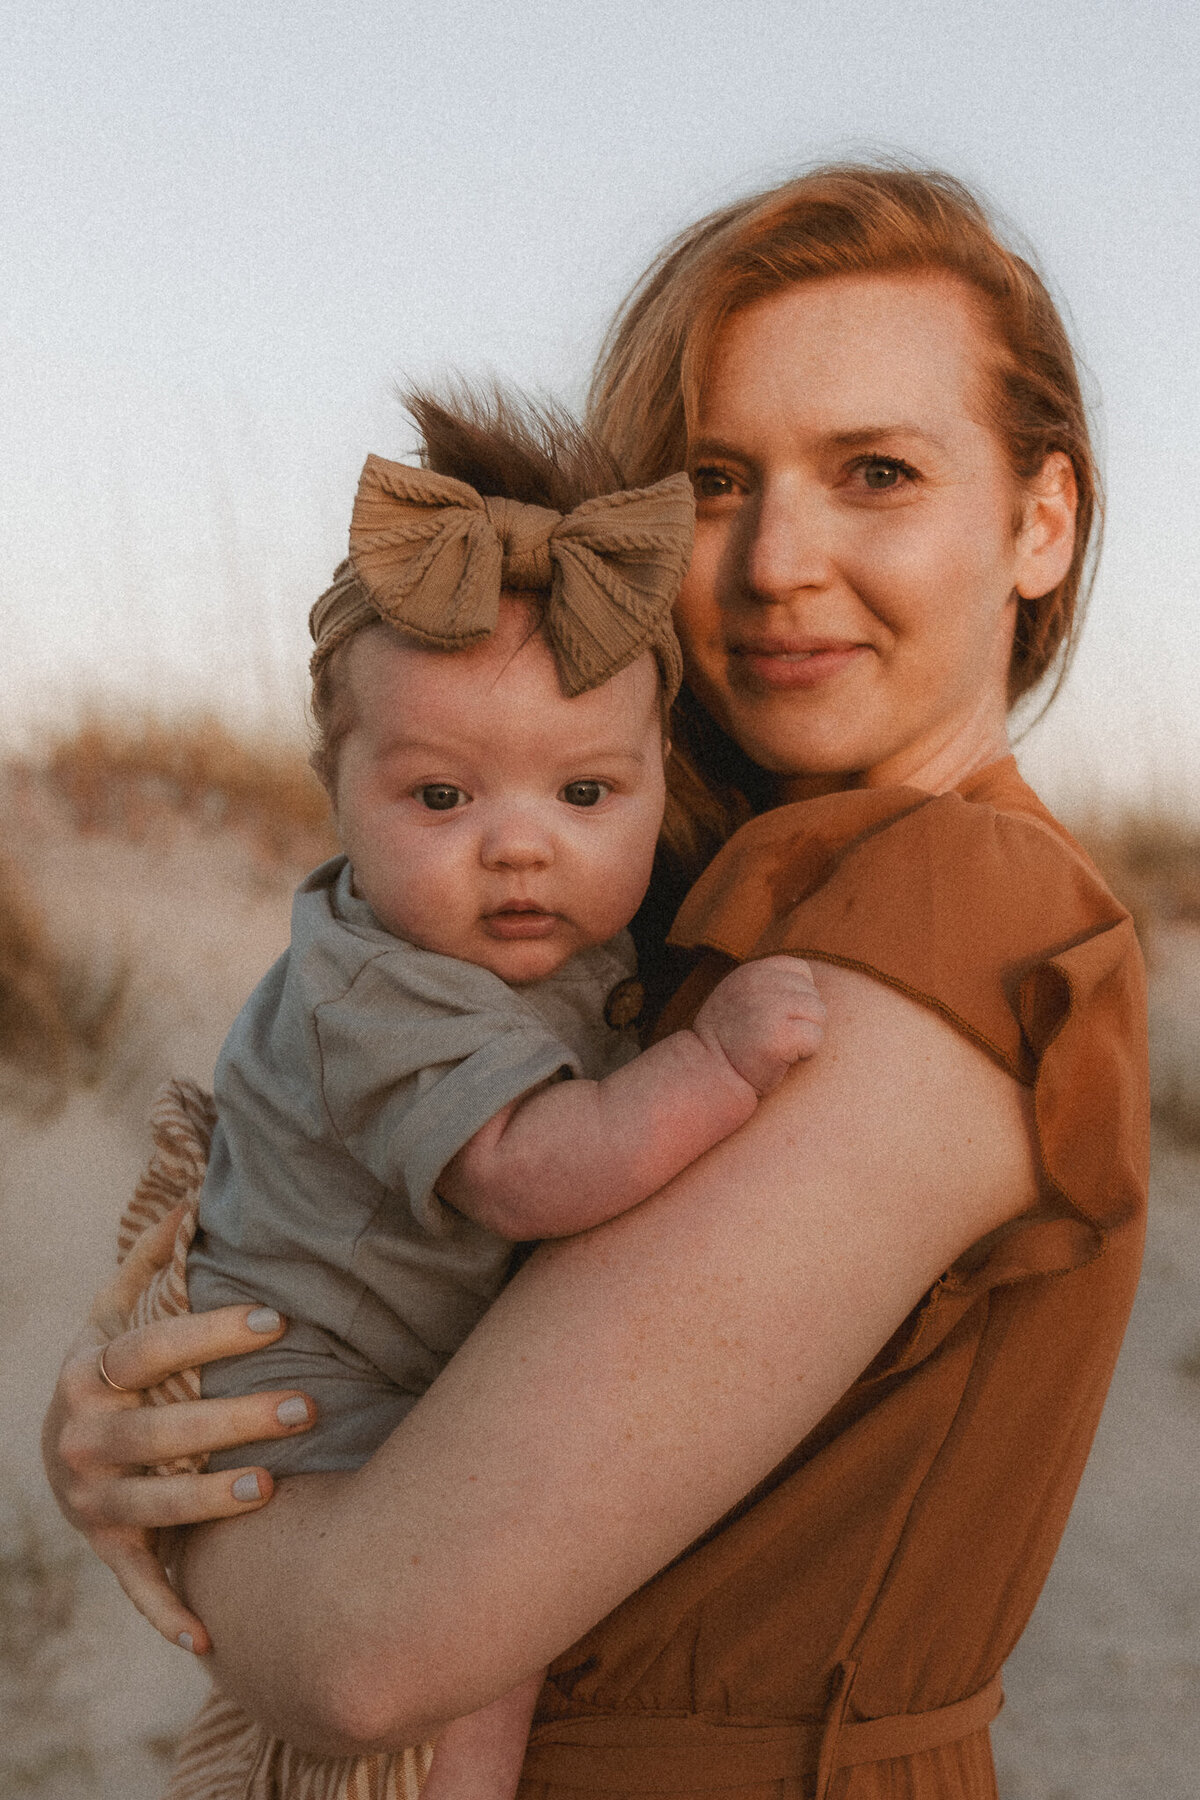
(229, 228)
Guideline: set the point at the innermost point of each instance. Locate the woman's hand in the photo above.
(97, 1442)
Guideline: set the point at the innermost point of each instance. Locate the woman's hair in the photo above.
(843, 220)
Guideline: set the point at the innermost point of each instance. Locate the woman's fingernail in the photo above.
(185, 1642)
(263, 1318)
(246, 1488)
(293, 1411)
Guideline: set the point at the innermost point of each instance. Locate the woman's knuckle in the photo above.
(76, 1448)
(82, 1498)
(77, 1383)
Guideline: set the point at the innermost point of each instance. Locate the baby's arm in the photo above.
(574, 1153)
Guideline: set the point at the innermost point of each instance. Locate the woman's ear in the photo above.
(1046, 538)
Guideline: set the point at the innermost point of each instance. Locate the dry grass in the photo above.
(1151, 861)
(132, 777)
(57, 1022)
(140, 779)
(40, 1747)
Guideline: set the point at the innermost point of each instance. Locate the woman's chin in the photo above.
(829, 759)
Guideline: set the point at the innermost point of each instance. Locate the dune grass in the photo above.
(135, 778)
(1151, 861)
(58, 1020)
(41, 1746)
(126, 775)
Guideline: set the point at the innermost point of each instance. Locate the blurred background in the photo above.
(228, 232)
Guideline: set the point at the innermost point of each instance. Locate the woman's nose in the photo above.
(516, 839)
(789, 548)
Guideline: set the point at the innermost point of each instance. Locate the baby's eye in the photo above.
(585, 793)
(440, 796)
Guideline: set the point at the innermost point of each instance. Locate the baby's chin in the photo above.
(520, 963)
(517, 959)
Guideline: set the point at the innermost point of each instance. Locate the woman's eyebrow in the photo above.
(709, 446)
(863, 435)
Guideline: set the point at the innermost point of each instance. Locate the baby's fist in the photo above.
(762, 1018)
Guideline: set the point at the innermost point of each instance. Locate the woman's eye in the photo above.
(881, 473)
(440, 796)
(585, 793)
(712, 484)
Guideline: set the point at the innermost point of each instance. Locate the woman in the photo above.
(772, 1469)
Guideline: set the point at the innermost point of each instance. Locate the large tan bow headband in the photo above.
(429, 556)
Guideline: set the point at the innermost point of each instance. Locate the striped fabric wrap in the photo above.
(224, 1754)
(182, 1121)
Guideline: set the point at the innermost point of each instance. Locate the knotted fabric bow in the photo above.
(430, 556)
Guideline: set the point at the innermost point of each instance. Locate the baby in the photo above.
(441, 1065)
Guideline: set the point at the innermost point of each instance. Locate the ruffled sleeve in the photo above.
(977, 904)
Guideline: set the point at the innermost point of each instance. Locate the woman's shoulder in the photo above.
(993, 834)
(955, 898)
(979, 905)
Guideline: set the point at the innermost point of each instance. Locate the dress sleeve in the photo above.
(999, 923)
(415, 1059)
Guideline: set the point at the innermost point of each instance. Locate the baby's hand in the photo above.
(763, 1017)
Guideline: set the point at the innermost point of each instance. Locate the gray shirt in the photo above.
(357, 1069)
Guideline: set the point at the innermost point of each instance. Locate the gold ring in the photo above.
(106, 1377)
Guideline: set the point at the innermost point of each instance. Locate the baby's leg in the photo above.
(480, 1757)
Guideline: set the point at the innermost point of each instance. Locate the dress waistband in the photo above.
(662, 1755)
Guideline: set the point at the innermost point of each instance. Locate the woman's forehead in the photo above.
(848, 354)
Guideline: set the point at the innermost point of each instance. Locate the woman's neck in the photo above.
(937, 766)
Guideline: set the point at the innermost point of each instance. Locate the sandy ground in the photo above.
(1104, 1690)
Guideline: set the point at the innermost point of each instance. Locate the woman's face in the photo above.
(860, 538)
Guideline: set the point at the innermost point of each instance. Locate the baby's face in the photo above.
(487, 817)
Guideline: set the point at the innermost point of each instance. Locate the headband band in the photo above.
(430, 556)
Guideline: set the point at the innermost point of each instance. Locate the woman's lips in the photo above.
(517, 921)
(793, 664)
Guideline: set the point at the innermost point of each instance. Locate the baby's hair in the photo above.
(506, 447)
(509, 447)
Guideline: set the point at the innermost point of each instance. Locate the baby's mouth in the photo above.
(520, 919)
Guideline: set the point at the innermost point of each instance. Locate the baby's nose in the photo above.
(516, 839)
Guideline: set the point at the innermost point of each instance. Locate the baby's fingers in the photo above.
(791, 973)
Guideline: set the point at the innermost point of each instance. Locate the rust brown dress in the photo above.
(841, 1633)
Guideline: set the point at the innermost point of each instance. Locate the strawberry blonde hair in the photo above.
(860, 219)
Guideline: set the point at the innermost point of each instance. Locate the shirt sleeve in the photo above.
(997, 922)
(416, 1056)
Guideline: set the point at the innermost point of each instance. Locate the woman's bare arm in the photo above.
(627, 1388)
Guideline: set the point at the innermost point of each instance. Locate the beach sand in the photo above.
(1104, 1690)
